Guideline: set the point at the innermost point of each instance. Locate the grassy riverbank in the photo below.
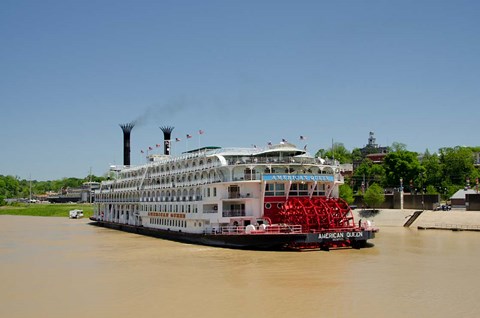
(59, 210)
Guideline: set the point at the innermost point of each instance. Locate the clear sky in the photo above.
(246, 72)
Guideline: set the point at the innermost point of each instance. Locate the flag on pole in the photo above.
(177, 139)
(284, 140)
(201, 132)
(189, 136)
(150, 148)
(269, 143)
(141, 151)
(303, 137)
(157, 145)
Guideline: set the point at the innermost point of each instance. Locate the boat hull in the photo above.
(280, 241)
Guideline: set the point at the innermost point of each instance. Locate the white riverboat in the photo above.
(278, 197)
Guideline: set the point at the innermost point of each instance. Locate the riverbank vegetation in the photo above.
(14, 187)
(443, 172)
(37, 209)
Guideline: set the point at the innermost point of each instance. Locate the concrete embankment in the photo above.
(455, 219)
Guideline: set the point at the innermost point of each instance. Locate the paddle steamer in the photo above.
(277, 197)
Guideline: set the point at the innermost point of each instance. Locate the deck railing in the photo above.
(269, 229)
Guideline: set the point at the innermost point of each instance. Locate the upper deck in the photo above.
(213, 165)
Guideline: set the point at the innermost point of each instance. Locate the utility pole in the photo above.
(90, 186)
(401, 193)
(30, 178)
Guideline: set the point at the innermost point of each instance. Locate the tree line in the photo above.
(14, 187)
(442, 172)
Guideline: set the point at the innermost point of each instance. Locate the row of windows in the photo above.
(172, 222)
(130, 179)
(161, 168)
(296, 189)
(168, 222)
(174, 208)
(151, 196)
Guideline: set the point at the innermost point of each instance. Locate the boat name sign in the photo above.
(297, 177)
(337, 236)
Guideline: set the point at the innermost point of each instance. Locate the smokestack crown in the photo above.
(127, 127)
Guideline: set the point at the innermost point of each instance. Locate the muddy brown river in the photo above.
(56, 267)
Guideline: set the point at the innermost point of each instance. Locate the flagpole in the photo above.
(333, 151)
(200, 133)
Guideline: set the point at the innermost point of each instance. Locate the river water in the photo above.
(55, 267)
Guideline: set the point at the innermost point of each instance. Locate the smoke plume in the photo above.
(157, 113)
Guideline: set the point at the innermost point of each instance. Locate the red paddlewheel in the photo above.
(317, 214)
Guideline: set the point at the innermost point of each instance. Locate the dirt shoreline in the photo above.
(460, 219)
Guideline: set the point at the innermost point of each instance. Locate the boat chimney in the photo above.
(126, 128)
(167, 131)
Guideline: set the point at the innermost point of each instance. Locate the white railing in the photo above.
(269, 229)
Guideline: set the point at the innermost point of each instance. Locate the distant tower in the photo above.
(371, 140)
(167, 131)
(126, 128)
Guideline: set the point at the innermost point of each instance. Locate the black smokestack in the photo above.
(167, 131)
(126, 128)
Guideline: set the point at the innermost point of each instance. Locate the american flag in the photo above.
(284, 140)
(189, 136)
(177, 139)
(201, 132)
(269, 143)
(303, 137)
(150, 148)
(141, 151)
(157, 145)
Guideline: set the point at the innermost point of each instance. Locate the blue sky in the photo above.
(245, 72)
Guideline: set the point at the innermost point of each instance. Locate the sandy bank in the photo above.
(440, 219)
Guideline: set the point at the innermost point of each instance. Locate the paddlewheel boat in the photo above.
(274, 198)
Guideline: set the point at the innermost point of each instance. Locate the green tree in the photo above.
(9, 187)
(338, 151)
(374, 196)
(357, 155)
(346, 193)
(433, 169)
(370, 172)
(398, 146)
(457, 164)
(402, 164)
